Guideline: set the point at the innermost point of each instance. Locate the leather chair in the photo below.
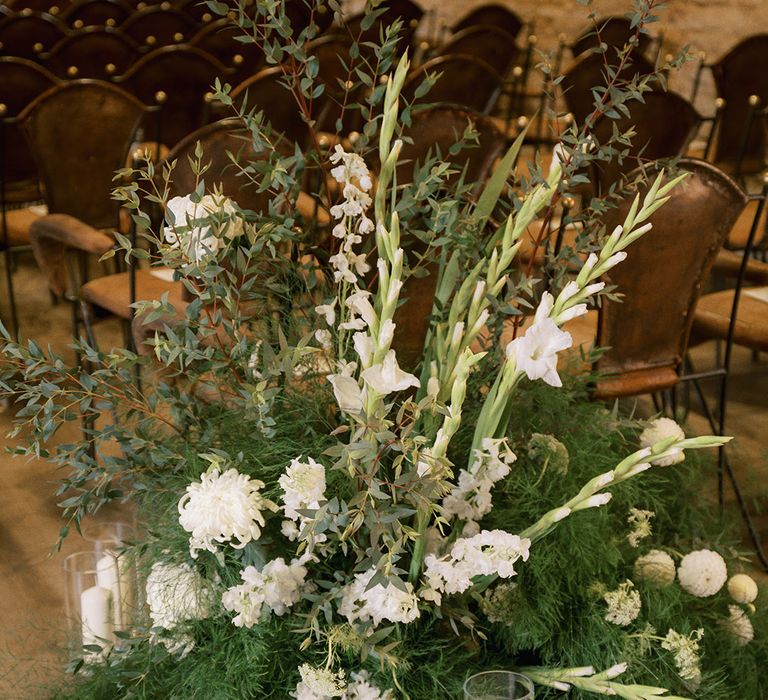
(465, 82)
(94, 52)
(21, 81)
(158, 26)
(491, 15)
(97, 13)
(219, 39)
(493, 45)
(30, 34)
(52, 7)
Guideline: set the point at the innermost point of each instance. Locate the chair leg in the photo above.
(87, 316)
(11, 294)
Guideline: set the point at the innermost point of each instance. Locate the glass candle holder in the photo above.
(498, 685)
(90, 607)
(108, 535)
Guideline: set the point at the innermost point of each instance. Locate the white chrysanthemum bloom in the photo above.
(471, 498)
(656, 567)
(662, 429)
(702, 573)
(686, 653)
(742, 588)
(319, 684)
(199, 228)
(176, 593)
(535, 353)
(223, 507)
(624, 604)
(386, 377)
(277, 587)
(303, 486)
(358, 602)
(360, 688)
(641, 522)
(739, 625)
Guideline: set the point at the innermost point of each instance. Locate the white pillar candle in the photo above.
(114, 573)
(96, 615)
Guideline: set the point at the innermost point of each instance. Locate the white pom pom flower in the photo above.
(742, 589)
(663, 429)
(223, 507)
(702, 573)
(656, 567)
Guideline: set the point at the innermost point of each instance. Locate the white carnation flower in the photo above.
(739, 625)
(702, 573)
(277, 587)
(303, 485)
(535, 353)
(391, 602)
(223, 508)
(656, 567)
(662, 429)
(742, 589)
(176, 593)
(624, 604)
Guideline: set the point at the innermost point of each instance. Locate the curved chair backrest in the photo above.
(158, 26)
(405, 10)
(300, 14)
(197, 10)
(185, 75)
(435, 130)
(265, 92)
(738, 75)
(80, 133)
(52, 7)
(589, 72)
(93, 52)
(219, 39)
(491, 15)
(27, 35)
(662, 276)
(220, 142)
(21, 82)
(97, 13)
(664, 124)
(613, 31)
(493, 45)
(466, 81)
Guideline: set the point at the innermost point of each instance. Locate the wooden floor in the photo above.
(31, 581)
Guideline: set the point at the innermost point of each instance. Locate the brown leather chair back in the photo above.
(493, 45)
(614, 32)
(662, 276)
(265, 92)
(27, 35)
(466, 81)
(158, 26)
(491, 15)
(220, 142)
(664, 124)
(589, 72)
(97, 13)
(52, 7)
(21, 81)
(94, 52)
(80, 133)
(738, 75)
(185, 75)
(198, 11)
(219, 39)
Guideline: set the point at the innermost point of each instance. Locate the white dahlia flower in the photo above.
(662, 429)
(656, 567)
(742, 588)
(702, 573)
(224, 508)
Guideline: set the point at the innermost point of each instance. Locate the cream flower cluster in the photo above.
(641, 525)
(175, 594)
(378, 603)
(277, 587)
(303, 485)
(623, 604)
(471, 499)
(319, 683)
(223, 507)
(353, 223)
(702, 573)
(662, 429)
(685, 650)
(490, 552)
(200, 228)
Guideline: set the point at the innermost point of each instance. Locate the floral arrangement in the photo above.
(336, 524)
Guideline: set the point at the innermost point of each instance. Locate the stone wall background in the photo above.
(713, 26)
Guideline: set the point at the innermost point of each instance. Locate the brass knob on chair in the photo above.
(53, 10)
(38, 47)
(669, 57)
(165, 6)
(719, 103)
(207, 17)
(72, 71)
(111, 22)
(150, 40)
(569, 202)
(533, 40)
(78, 24)
(383, 80)
(110, 68)
(160, 97)
(424, 45)
(208, 98)
(754, 100)
(414, 23)
(237, 59)
(323, 141)
(517, 71)
(26, 12)
(178, 37)
(141, 5)
(568, 119)
(522, 122)
(3, 109)
(354, 137)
